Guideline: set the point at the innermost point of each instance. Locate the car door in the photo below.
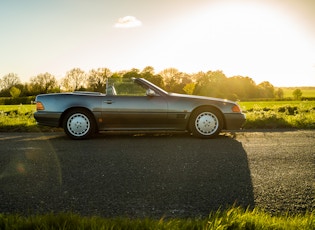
(134, 112)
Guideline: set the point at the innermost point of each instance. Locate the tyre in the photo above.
(206, 123)
(79, 124)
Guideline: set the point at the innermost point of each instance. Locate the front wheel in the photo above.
(206, 123)
(79, 124)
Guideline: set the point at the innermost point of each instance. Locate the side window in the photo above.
(129, 89)
(124, 87)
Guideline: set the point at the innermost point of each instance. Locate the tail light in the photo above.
(39, 106)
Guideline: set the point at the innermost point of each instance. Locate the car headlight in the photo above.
(236, 109)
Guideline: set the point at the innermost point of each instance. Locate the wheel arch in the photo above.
(209, 107)
(77, 108)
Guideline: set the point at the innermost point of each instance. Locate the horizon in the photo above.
(59, 78)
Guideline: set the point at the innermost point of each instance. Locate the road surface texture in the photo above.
(165, 175)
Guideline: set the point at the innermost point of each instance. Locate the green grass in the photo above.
(233, 218)
(19, 118)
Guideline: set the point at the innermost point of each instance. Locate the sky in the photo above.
(266, 40)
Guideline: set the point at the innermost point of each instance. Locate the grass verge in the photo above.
(233, 218)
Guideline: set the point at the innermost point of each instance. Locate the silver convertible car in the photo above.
(137, 105)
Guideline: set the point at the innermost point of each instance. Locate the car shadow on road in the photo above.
(132, 175)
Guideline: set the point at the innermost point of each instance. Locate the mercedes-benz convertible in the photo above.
(137, 105)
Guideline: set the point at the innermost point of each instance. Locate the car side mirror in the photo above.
(150, 93)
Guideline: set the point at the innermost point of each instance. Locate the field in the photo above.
(308, 92)
(259, 115)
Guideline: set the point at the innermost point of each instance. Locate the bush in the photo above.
(289, 110)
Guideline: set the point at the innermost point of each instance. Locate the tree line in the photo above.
(210, 83)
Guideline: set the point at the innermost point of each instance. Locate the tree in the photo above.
(266, 90)
(279, 93)
(75, 79)
(189, 88)
(43, 83)
(148, 69)
(9, 80)
(133, 73)
(239, 87)
(169, 73)
(15, 92)
(173, 80)
(97, 79)
(148, 74)
(24, 88)
(212, 84)
(297, 94)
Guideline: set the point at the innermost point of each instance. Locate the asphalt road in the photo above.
(166, 175)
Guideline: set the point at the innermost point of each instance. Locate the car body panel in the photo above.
(134, 111)
(160, 111)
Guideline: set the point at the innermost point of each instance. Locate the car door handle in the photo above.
(108, 101)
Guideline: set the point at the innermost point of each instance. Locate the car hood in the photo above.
(200, 97)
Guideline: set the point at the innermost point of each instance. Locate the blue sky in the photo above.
(267, 40)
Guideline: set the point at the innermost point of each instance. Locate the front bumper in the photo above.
(234, 121)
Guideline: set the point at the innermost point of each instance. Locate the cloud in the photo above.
(128, 22)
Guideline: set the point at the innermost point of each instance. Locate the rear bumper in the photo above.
(47, 118)
(234, 121)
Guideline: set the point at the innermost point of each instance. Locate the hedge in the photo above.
(17, 101)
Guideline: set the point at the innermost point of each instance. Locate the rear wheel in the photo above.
(79, 124)
(206, 123)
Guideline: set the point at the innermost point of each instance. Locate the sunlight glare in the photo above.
(252, 39)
